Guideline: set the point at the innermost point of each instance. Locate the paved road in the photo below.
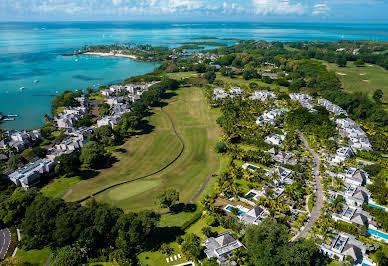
(317, 209)
(5, 240)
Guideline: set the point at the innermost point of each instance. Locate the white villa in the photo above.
(219, 94)
(263, 95)
(29, 175)
(275, 139)
(284, 175)
(342, 244)
(236, 91)
(342, 155)
(270, 116)
(304, 99)
(254, 215)
(353, 215)
(220, 247)
(108, 121)
(331, 107)
(283, 157)
(355, 176)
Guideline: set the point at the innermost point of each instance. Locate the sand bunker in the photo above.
(362, 74)
(341, 74)
(365, 80)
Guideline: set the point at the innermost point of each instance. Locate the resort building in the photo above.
(304, 99)
(108, 121)
(345, 123)
(342, 155)
(270, 116)
(263, 95)
(236, 91)
(20, 140)
(353, 215)
(354, 195)
(275, 139)
(331, 107)
(342, 244)
(271, 75)
(283, 175)
(219, 94)
(29, 175)
(254, 215)
(221, 246)
(354, 176)
(283, 157)
(358, 139)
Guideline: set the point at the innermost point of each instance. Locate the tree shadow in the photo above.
(87, 174)
(164, 235)
(120, 150)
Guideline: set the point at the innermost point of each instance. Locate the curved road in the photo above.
(151, 174)
(5, 240)
(316, 211)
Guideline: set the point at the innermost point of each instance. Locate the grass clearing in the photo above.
(156, 258)
(59, 187)
(364, 79)
(196, 124)
(34, 256)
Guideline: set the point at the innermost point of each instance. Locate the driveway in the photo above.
(5, 240)
(317, 209)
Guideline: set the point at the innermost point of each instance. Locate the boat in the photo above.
(8, 119)
(36, 81)
(12, 115)
(21, 88)
(76, 60)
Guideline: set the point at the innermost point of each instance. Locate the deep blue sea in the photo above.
(32, 51)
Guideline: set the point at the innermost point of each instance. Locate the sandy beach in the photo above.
(111, 54)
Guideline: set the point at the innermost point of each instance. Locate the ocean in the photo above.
(32, 51)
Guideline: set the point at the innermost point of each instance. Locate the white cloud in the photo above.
(320, 9)
(278, 7)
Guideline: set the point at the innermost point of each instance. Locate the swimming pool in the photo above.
(252, 167)
(378, 233)
(377, 206)
(251, 195)
(230, 208)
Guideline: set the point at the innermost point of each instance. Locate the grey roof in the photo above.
(359, 194)
(3, 157)
(353, 251)
(359, 218)
(225, 239)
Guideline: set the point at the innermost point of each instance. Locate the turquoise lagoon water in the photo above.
(32, 51)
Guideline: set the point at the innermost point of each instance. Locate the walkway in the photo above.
(5, 241)
(316, 212)
(151, 174)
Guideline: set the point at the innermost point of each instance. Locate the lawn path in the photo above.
(316, 211)
(142, 177)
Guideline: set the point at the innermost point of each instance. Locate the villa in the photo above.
(219, 94)
(354, 176)
(71, 144)
(220, 247)
(29, 175)
(270, 116)
(275, 139)
(20, 140)
(284, 175)
(236, 91)
(358, 139)
(271, 75)
(342, 155)
(282, 157)
(331, 107)
(304, 99)
(263, 95)
(353, 215)
(342, 244)
(354, 195)
(108, 121)
(254, 215)
(345, 123)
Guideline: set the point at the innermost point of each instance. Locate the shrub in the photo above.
(220, 147)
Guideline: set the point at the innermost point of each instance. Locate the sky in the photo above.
(355, 11)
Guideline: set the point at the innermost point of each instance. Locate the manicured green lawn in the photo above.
(239, 81)
(195, 123)
(34, 256)
(181, 75)
(196, 228)
(59, 187)
(362, 79)
(156, 258)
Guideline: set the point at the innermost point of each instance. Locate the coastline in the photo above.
(112, 55)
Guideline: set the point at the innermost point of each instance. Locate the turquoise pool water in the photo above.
(252, 167)
(376, 206)
(230, 208)
(377, 233)
(251, 195)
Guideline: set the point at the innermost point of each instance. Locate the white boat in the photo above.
(12, 115)
(36, 81)
(76, 60)
(9, 119)
(21, 88)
